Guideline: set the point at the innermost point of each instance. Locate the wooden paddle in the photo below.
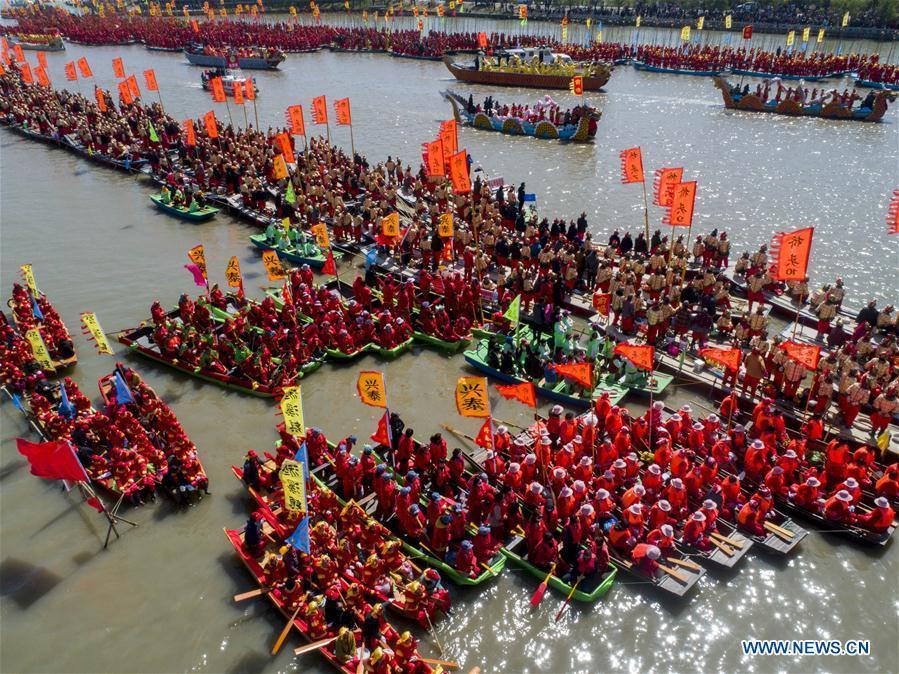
(487, 568)
(722, 547)
(434, 634)
(537, 597)
(568, 600)
(252, 593)
(314, 645)
(446, 664)
(693, 566)
(674, 574)
(730, 541)
(283, 635)
(770, 526)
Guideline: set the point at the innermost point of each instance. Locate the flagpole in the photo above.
(387, 414)
(255, 112)
(352, 143)
(646, 210)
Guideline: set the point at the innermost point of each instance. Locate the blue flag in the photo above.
(36, 310)
(371, 257)
(530, 197)
(66, 408)
(302, 456)
(18, 403)
(300, 538)
(122, 392)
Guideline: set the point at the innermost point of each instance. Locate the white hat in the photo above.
(844, 495)
(675, 417)
(559, 472)
(577, 439)
(655, 470)
(501, 429)
(881, 502)
(530, 459)
(602, 494)
(579, 486)
(698, 516)
(585, 461)
(566, 492)
(514, 467)
(658, 405)
(813, 482)
(758, 444)
(586, 510)
(567, 447)
(638, 489)
(632, 456)
(709, 504)
(777, 470)
(653, 552)
(636, 508)
(535, 487)
(790, 454)
(545, 440)
(664, 506)
(851, 482)
(712, 418)
(698, 426)
(619, 463)
(677, 483)
(687, 409)
(590, 419)
(667, 530)
(556, 409)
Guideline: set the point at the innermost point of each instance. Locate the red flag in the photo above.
(804, 354)
(27, 75)
(631, 165)
(238, 91)
(249, 89)
(150, 77)
(94, 503)
(295, 116)
(747, 32)
(680, 208)
(42, 78)
(282, 140)
(190, 137)
(319, 110)
(582, 373)
(342, 107)
(132, 85)
(84, 67)
(42, 59)
(459, 174)
(484, 438)
(101, 99)
(118, 67)
(381, 435)
(893, 214)
(218, 89)
(71, 74)
(482, 40)
(330, 267)
(602, 302)
(53, 460)
(729, 358)
(790, 254)
(125, 93)
(434, 159)
(640, 355)
(209, 121)
(665, 179)
(449, 136)
(523, 392)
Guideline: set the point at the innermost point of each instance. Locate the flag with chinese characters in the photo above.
(602, 302)
(381, 435)
(342, 108)
(484, 438)
(370, 386)
(150, 79)
(449, 137)
(273, 266)
(319, 110)
(680, 210)
(790, 252)
(893, 214)
(295, 116)
(197, 255)
(523, 392)
(631, 165)
(804, 354)
(729, 358)
(434, 158)
(459, 175)
(642, 356)
(390, 224)
(92, 325)
(471, 397)
(665, 180)
(582, 373)
(292, 408)
(576, 86)
(118, 68)
(232, 273)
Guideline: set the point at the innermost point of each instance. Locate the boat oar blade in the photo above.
(252, 593)
(284, 632)
(315, 645)
(537, 597)
(446, 664)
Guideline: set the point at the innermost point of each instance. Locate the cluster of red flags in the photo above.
(443, 157)
(668, 189)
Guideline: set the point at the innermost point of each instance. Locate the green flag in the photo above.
(290, 197)
(513, 311)
(153, 136)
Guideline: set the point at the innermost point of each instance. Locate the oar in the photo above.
(770, 526)
(252, 593)
(446, 664)
(487, 568)
(730, 541)
(568, 600)
(722, 547)
(434, 634)
(283, 636)
(674, 574)
(537, 597)
(314, 646)
(693, 566)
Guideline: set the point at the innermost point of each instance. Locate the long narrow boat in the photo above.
(198, 215)
(588, 591)
(61, 361)
(260, 62)
(783, 76)
(752, 103)
(869, 84)
(501, 78)
(639, 65)
(316, 260)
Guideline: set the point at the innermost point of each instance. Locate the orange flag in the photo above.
(319, 110)
(190, 137)
(232, 273)
(42, 59)
(42, 78)
(640, 355)
(790, 253)
(282, 140)
(471, 397)
(458, 165)
(729, 358)
(150, 78)
(280, 169)
(118, 68)
(218, 90)
(631, 165)
(484, 438)
(195, 25)
(125, 93)
(482, 40)
(71, 74)
(436, 160)
(27, 76)
(295, 116)
(582, 373)
(84, 67)
(680, 211)
(238, 93)
(211, 125)
(523, 392)
(132, 85)
(804, 354)
(390, 225)
(893, 214)
(101, 99)
(20, 55)
(273, 266)
(371, 389)
(602, 302)
(448, 134)
(250, 89)
(342, 107)
(665, 180)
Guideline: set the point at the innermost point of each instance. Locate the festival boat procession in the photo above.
(442, 389)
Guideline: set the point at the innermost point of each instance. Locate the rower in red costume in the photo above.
(806, 495)
(751, 519)
(880, 519)
(645, 557)
(888, 485)
(838, 508)
(663, 538)
(695, 532)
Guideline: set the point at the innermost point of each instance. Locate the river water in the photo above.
(159, 599)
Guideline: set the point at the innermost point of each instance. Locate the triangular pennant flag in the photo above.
(36, 310)
(66, 408)
(513, 312)
(582, 373)
(122, 392)
(729, 358)
(804, 354)
(484, 437)
(382, 435)
(640, 355)
(290, 197)
(299, 539)
(152, 131)
(523, 392)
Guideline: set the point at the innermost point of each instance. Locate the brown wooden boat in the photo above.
(752, 103)
(532, 80)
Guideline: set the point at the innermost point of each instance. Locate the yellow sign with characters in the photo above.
(370, 386)
(294, 483)
(445, 225)
(39, 349)
(232, 273)
(292, 409)
(471, 397)
(273, 266)
(320, 231)
(93, 326)
(390, 225)
(28, 275)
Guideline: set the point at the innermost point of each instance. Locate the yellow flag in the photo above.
(845, 19)
(285, 223)
(280, 167)
(39, 349)
(370, 386)
(639, 21)
(232, 273)
(806, 32)
(445, 225)
(292, 409)
(390, 225)
(293, 482)
(564, 33)
(728, 21)
(599, 36)
(791, 38)
(93, 326)
(685, 33)
(320, 231)
(28, 275)
(273, 266)
(471, 397)
(820, 35)
(198, 256)
(700, 22)
(588, 22)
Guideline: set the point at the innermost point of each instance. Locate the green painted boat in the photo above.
(183, 213)
(657, 384)
(395, 352)
(291, 254)
(594, 590)
(443, 345)
(340, 355)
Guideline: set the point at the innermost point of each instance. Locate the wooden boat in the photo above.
(416, 57)
(198, 215)
(151, 47)
(869, 84)
(60, 362)
(500, 78)
(195, 56)
(783, 76)
(316, 261)
(591, 590)
(229, 77)
(126, 165)
(38, 42)
(582, 132)
(639, 65)
(857, 534)
(395, 352)
(752, 103)
(255, 568)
